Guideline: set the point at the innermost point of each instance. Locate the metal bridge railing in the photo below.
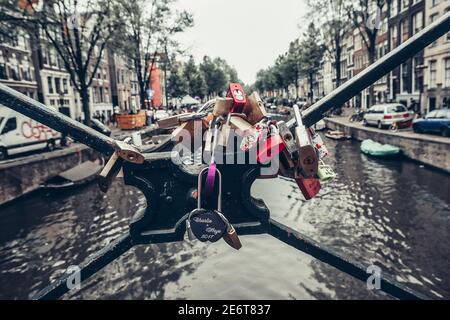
(250, 216)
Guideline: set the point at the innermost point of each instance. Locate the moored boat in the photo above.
(337, 135)
(377, 149)
(74, 177)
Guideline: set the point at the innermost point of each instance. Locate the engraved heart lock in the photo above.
(207, 225)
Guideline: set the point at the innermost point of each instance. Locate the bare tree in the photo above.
(360, 13)
(145, 33)
(78, 30)
(333, 19)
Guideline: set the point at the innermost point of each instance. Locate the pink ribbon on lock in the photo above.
(210, 179)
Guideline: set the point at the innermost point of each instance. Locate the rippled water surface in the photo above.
(390, 213)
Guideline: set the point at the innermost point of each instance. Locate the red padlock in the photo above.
(236, 92)
(272, 147)
(309, 187)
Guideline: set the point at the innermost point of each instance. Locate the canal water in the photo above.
(390, 213)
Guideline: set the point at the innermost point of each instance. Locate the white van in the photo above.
(19, 133)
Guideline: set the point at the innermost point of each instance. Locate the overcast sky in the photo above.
(249, 34)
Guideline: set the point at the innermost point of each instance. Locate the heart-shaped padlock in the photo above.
(207, 225)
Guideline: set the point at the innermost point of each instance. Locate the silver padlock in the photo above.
(308, 161)
(206, 225)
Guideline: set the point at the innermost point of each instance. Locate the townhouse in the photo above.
(436, 89)
(406, 18)
(16, 65)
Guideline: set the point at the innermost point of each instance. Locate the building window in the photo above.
(447, 72)
(95, 95)
(50, 85)
(433, 74)
(3, 71)
(58, 85)
(405, 4)
(417, 22)
(101, 94)
(394, 34)
(435, 2)
(26, 74)
(14, 72)
(45, 57)
(418, 77)
(394, 8)
(404, 75)
(404, 31)
(65, 87)
(2, 67)
(106, 95)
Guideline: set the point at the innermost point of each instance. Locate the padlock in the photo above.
(188, 131)
(236, 92)
(110, 172)
(325, 172)
(136, 137)
(254, 108)
(321, 149)
(288, 139)
(186, 117)
(225, 132)
(210, 179)
(222, 107)
(128, 152)
(230, 236)
(251, 137)
(206, 225)
(271, 147)
(209, 137)
(308, 161)
(169, 122)
(191, 235)
(309, 187)
(177, 120)
(286, 166)
(239, 122)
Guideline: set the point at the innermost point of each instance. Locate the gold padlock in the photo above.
(222, 107)
(254, 108)
(239, 123)
(188, 131)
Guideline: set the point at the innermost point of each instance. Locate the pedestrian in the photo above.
(103, 118)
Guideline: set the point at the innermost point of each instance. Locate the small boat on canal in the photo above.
(377, 149)
(77, 176)
(337, 135)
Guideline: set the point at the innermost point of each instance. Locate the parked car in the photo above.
(161, 114)
(437, 121)
(100, 127)
(384, 115)
(19, 134)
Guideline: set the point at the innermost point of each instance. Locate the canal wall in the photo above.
(21, 176)
(433, 151)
